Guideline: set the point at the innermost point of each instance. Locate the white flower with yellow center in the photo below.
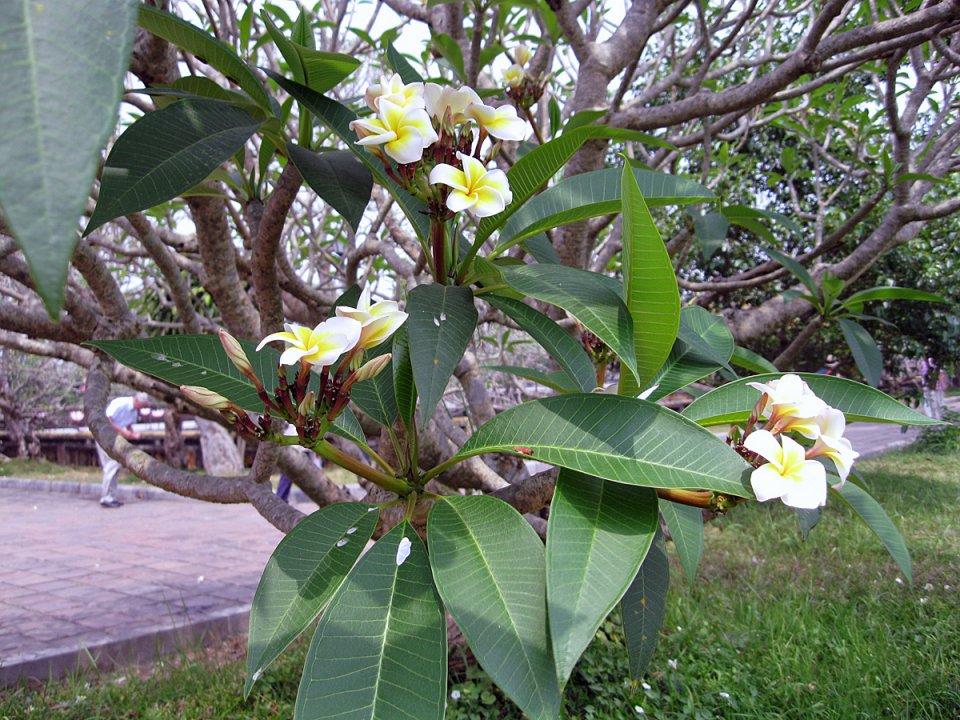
(831, 443)
(486, 192)
(378, 320)
(320, 346)
(791, 405)
(500, 122)
(403, 132)
(513, 76)
(396, 91)
(789, 475)
(439, 99)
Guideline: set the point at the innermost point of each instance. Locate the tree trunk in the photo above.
(173, 448)
(220, 454)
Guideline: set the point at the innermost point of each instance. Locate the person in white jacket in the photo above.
(123, 412)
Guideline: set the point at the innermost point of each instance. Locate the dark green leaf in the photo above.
(347, 426)
(877, 520)
(441, 323)
(710, 229)
(864, 349)
(703, 346)
(404, 389)
(556, 381)
(61, 68)
(451, 51)
(338, 178)
(488, 564)
(749, 360)
(893, 293)
(685, 524)
(798, 270)
(644, 606)
(597, 536)
(542, 249)
(400, 65)
(375, 396)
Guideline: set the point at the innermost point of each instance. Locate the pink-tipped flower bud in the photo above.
(236, 354)
(373, 367)
(205, 398)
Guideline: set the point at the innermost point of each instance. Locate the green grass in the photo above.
(774, 627)
(40, 469)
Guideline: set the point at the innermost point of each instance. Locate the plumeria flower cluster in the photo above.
(522, 87)
(792, 472)
(436, 134)
(334, 348)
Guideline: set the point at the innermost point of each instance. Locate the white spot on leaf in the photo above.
(436, 321)
(403, 551)
(351, 531)
(160, 358)
(342, 541)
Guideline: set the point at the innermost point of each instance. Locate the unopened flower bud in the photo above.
(236, 354)
(373, 367)
(205, 398)
(304, 407)
(522, 54)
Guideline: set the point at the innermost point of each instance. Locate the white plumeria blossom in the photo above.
(513, 75)
(788, 475)
(439, 99)
(522, 55)
(499, 122)
(378, 320)
(320, 346)
(486, 192)
(396, 91)
(831, 443)
(404, 132)
(790, 401)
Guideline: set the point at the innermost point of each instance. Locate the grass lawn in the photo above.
(774, 627)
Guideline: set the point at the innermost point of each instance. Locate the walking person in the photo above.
(123, 412)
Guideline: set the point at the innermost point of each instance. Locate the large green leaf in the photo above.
(556, 381)
(644, 606)
(338, 118)
(376, 396)
(591, 298)
(592, 194)
(338, 178)
(871, 512)
(616, 438)
(710, 229)
(733, 402)
(301, 576)
(206, 48)
(400, 65)
(558, 343)
(441, 323)
(404, 389)
(891, 293)
(703, 346)
(864, 348)
(380, 650)
(686, 530)
(749, 360)
(318, 70)
(649, 287)
(597, 536)
(61, 69)
(488, 564)
(166, 153)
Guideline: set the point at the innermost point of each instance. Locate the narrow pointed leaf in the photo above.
(61, 68)
(441, 323)
(556, 381)
(644, 606)
(542, 250)
(876, 518)
(893, 293)
(710, 229)
(488, 564)
(166, 153)
(404, 389)
(591, 298)
(301, 576)
(616, 438)
(598, 534)
(749, 360)
(798, 270)
(338, 178)
(558, 343)
(733, 402)
(686, 529)
(864, 348)
(380, 650)
(402, 66)
(375, 396)
(347, 426)
(703, 346)
(649, 288)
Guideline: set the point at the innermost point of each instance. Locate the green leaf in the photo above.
(864, 349)
(207, 49)
(893, 293)
(566, 351)
(59, 106)
(593, 194)
(591, 298)
(738, 213)
(710, 229)
(488, 564)
(644, 606)
(597, 536)
(542, 250)
(375, 396)
(347, 426)
(649, 287)
(556, 381)
(166, 153)
(686, 529)
(404, 389)
(798, 270)
(616, 438)
(400, 65)
(733, 402)
(199, 86)
(380, 650)
(338, 178)
(320, 71)
(441, 323)
(877, 520)
(451, 51)
(338, 118)
(301, 576)
(749, 360)
(703, 346)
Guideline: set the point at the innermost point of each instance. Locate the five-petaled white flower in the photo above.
(513, 75)
(378, 320)
(831, 443)
(486, 192)
(439, 99)
(788, 475)
(791, 404)
(404, 132)
(320, 346)
(396, 91)
(499, 122)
